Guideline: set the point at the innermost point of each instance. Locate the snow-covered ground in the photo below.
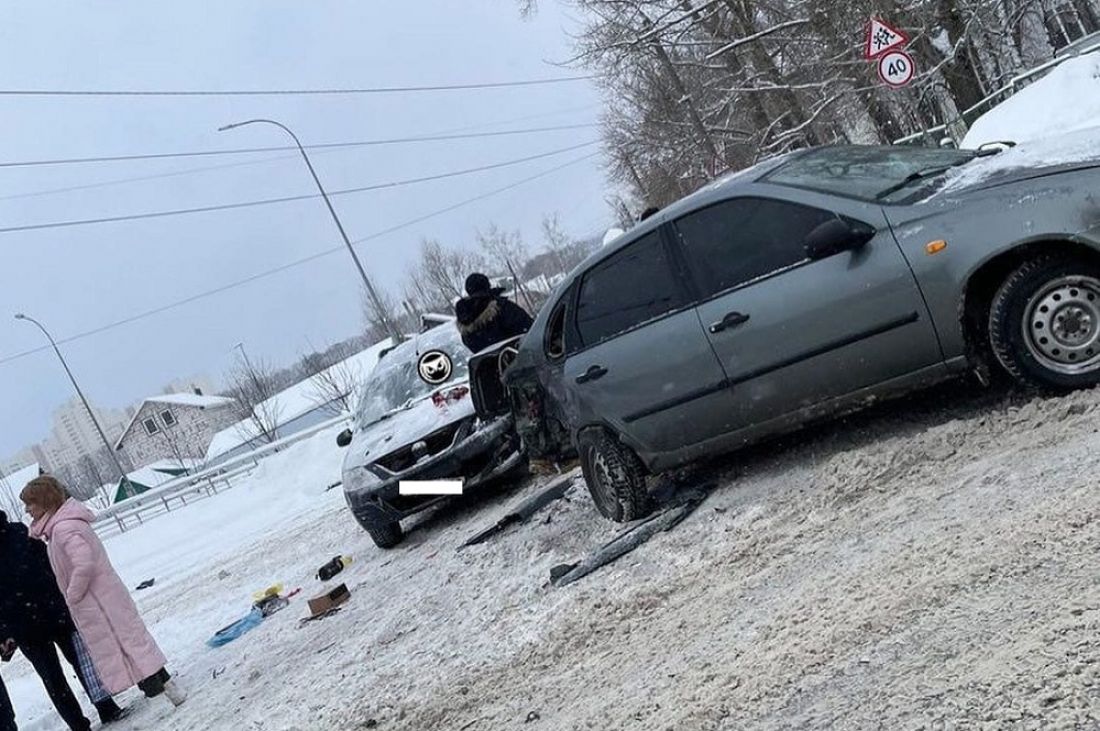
(1067, 99)
(930, 563)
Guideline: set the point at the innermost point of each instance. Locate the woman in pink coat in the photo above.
(122, 650)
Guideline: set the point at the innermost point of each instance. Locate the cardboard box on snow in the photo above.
(330, 599)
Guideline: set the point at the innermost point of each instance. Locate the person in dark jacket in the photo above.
(7, 713)
(485, 318)
(35, 618)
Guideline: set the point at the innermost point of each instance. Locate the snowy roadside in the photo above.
(931, 561)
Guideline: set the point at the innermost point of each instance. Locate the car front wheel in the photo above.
(384, 532)
(1044, 323)
(615, 477)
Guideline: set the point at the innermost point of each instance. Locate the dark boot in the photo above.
(154, 684)
(109, 711)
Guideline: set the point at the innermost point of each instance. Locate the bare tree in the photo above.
(697, 87)
(438, 277)
(333, 389)
(445, 269)
(506, 252)
(181, 453)
(375, 319)
(88, 479)
(253, 385)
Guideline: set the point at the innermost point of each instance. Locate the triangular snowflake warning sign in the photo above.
(881, 38)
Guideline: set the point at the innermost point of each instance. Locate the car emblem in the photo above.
(435, 367)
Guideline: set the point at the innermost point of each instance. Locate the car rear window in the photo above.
(631, 286)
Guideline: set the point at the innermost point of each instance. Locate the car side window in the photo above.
(633, 285)
(741, 239)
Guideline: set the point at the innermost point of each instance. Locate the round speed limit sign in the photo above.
(895, 68)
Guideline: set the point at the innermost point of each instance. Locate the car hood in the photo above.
(1026, 161)
(370, 444)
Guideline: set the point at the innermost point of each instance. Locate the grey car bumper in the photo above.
(482, 456)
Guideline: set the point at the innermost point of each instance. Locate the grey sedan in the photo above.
(808, 286)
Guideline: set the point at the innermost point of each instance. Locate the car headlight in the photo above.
(360, 479)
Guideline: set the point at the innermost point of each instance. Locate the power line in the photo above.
(298, 92)
(284, 148)
(298, 262)
(142, 178)
(286, 199)
(224, 166)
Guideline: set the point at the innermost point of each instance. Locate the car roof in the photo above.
(718, 188)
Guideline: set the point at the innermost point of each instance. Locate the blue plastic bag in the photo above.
(227, 634)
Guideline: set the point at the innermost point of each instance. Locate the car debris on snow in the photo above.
(524, 510)
(624, 543)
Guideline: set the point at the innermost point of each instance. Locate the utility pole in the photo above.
(127, 488)
(371, 292)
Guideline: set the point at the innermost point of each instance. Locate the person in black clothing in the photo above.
(34, 618)
(485, 318)
(7, 713)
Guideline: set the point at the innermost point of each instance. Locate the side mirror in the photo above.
(343, 439)
(837, 235)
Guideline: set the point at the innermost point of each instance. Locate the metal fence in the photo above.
(933, 135)
(136, 510)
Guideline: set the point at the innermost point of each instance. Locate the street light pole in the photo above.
(371, 292)
(126, 487)
(244, 354)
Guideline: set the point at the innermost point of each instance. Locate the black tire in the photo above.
(615, 477)
(384, 532)
(1029, 304)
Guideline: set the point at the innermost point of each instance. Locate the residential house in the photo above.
(177, 427)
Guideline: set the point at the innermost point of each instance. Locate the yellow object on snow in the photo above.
(273, 590)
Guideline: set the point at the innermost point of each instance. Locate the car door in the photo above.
(791, 332)
(642, 364)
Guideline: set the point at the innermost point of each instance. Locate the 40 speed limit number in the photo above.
(895, 68)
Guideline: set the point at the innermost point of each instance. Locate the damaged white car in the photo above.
(416, 421)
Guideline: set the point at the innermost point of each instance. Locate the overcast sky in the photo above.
(79, 278)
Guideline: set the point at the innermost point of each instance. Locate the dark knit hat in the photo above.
(477, 283)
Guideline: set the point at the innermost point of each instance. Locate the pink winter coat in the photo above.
(121, 647)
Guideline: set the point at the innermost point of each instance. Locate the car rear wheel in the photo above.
(615, 477)
(384, 532)
(1044, 323)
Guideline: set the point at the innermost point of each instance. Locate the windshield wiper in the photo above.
(931, 173)
(914, 177)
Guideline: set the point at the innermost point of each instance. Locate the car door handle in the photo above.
(594, 373)
(732, 319)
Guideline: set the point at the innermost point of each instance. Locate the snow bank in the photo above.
(287, 487)
(1065, 100)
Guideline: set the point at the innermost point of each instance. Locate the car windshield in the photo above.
(395, 383)
(868, 173)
